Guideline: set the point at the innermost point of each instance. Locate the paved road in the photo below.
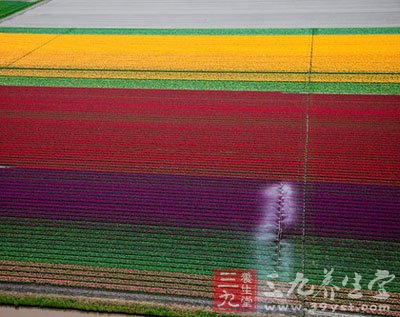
(210, 14)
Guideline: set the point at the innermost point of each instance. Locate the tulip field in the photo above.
(136, 162)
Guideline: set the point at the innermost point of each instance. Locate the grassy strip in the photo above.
(9, 7)
(103, 305)
(155, 84)
(289, 87)
(355, 88)
(120, 306)
(116, 31)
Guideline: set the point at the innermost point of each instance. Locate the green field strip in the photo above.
(120, 230)
(186, 243)
(354, 88)
(146, 240)
(131, 234)
(10, 7)
(225, 258)
(145, 236)
(316, 256)
(169, 235)
(204, 252)
(126, 229)
(177, 259)
(154, 84)
(277, 31)
(130, 251)
(101, 305)
(289, 87)
(152, 249)
(29, 248)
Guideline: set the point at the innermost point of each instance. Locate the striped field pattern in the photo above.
(136, 162)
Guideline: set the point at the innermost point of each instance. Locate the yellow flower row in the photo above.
(271, 56)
